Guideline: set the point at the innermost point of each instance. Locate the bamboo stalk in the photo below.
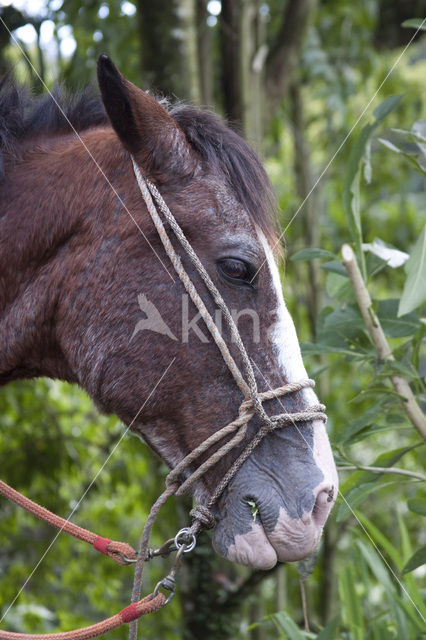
(412, 409)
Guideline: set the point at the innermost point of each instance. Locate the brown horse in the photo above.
(87, 294)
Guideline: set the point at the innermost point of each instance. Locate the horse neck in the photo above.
(45, 197)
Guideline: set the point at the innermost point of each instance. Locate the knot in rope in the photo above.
(203, 516)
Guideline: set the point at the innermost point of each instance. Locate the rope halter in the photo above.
(202, 516)
(252, 404)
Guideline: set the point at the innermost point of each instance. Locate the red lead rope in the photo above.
(121, 552)
(118, 551)
(149, 604)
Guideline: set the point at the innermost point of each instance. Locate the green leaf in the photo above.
(374, 264)
(285, 622)
(311, 254)
(355, 497)
(417, 135)
(351, 428)
(352, 176)
(417, 560)
(383, 577)
(381, 539)
(351, 606)
(386, 107)
(335, 267)
(341, 319)
(351, 191)
(390, 368)
(404, 537)
(315, 349)
(414, 23)
(417, 505)
(416, 160)
(389, 145)
(330, 631)
(339, 287)
(394, 325)
(414, 293)
(418, 130)
(376, 564)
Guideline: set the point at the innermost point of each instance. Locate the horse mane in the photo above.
(24, 116)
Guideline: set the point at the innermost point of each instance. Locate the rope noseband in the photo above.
(202, 515)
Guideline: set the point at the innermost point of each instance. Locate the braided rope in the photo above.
(112, 548)
(149, 604)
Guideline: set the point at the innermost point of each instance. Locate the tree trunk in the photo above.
(249, 69)
(13, 19)
(243, 52)
(169, 47)
(230, 52)
(188, 11)
(283, 55)
(204, 52)
(308, 213)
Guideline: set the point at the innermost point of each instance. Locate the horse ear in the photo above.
(143, 125)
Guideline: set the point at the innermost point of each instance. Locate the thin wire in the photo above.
(351, 510)
(86, 491)
(86, 147)
(345, 139)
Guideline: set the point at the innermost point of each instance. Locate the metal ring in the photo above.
(188, 546)
(157, 590)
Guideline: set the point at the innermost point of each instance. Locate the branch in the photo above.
(412, 409)
(401, 472)
(283, 54)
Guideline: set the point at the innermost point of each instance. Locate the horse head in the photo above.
(277, 503)
(107, 310)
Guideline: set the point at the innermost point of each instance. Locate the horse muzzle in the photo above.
(275, 508)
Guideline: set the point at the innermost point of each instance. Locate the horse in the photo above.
(88, 295)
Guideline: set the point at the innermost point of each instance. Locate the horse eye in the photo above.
(235, 271)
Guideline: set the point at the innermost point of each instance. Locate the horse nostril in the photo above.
(323, 505)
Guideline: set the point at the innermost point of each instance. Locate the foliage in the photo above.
(367, 583)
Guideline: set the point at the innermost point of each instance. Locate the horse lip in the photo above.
(290, 540)
(260, 550)
(294, 538)
(253, 549)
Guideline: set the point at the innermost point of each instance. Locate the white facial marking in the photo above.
(287, 349)
(284, 335)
